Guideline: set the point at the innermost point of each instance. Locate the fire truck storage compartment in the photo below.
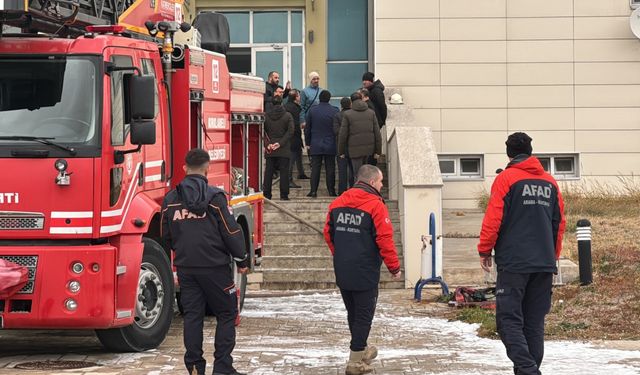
(254, 152)
(216, 140)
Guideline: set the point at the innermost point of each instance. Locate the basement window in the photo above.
(560, 166)
(461, 166)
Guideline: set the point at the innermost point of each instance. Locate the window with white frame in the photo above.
(461, 166)
(267, 40)
(560, 166)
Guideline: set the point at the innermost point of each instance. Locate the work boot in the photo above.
(356, 365)
(370, 353)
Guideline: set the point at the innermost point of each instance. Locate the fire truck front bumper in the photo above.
(69, 287)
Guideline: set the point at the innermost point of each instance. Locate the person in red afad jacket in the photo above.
(360, 236)
(524, 224)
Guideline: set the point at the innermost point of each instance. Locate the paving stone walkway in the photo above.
(307, 334)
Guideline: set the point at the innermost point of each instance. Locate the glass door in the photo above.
(268, 59)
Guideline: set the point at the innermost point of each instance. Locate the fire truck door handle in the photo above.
(141, 175)
(163, 172)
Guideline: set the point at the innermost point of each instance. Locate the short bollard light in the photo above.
(583, 235)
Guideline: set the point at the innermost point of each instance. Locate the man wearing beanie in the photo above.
(309, 96)
(523, 224)
(376, 96)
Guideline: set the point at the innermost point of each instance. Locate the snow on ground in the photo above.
(414, 344)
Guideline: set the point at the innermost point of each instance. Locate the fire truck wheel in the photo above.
(154, 305)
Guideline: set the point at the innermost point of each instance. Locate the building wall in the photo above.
(566, 72)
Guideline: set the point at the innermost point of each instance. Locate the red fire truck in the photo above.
(95, 122)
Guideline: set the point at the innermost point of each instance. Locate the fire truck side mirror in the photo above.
(142, 106)
(143, 132)
(141, 97)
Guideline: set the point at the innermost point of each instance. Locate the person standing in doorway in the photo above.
(321, 143)
(523, 224)
(359, 133)
(197, 225)
(359, 234)
(278, 129)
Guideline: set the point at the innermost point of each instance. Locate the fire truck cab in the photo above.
(94, 126)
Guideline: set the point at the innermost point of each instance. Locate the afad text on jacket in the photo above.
(198, 226)
(524, 221)
(360, 236)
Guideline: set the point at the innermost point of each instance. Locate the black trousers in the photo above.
(330, 171)
(345, 174)
(217, 289)
(281, 165)
(361, 306)
(296, 159)
(522, 302)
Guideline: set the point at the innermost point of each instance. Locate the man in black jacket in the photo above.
(278, 129)
(345, 169)
(376, 95)
(197, 225)
(293, 107)
(272, 85)
(524, 224)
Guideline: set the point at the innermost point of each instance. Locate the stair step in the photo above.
(290, 249)
(296, 262)
(305, 188)
(320, 203)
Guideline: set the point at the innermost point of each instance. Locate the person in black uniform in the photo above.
(198, 226)
(524, 224)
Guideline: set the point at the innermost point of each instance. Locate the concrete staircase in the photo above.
(296, 256)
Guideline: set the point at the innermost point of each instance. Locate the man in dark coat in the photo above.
(359, 133)
(271, 87)
(376, 95)
(278, 129)
(523, 225)
(345, 170)
(293, 107)
(278, 91)
(198, 227)
(365, 98)
(321, 142)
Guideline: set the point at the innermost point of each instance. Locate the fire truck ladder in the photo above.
(61, 17)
